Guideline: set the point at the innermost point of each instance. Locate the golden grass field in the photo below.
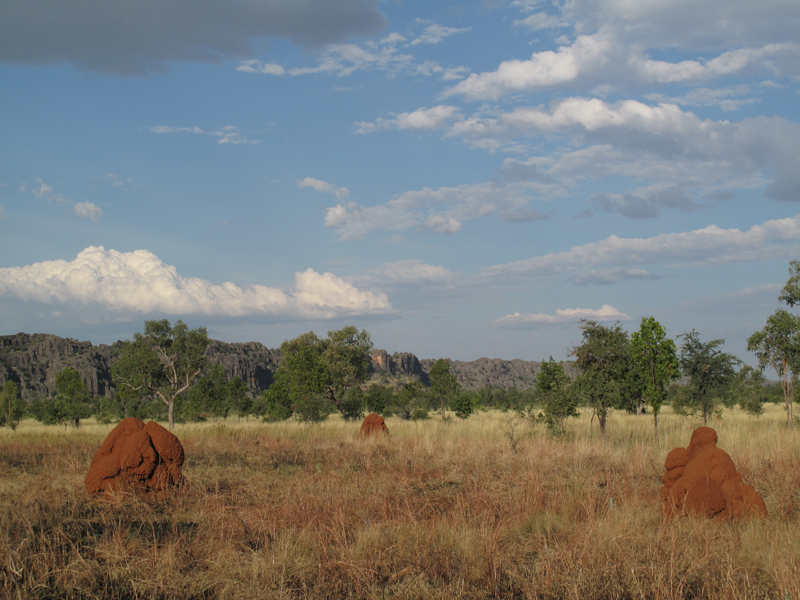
(483, 508)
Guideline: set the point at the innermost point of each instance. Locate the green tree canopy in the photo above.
(554, 394)
(165, 361)
(656, 361)
(312, 368)
(12, 407)
(604, 361)
(443, 383)
(72, 399)
(709, 370)
(778, 346)
(790, 294)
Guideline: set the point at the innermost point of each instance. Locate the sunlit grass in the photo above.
(487, 507)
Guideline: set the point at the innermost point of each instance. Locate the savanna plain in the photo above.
(489, 507)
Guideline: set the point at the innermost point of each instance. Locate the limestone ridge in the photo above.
(33, 360)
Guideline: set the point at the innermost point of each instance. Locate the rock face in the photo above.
(702, 480)
(373, 425)
(135, 455)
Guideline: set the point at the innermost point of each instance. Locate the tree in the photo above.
(750, 391)
(72, 399)
(352, 406)
(778, 346)
(553, 393)
(655, 359)
(709, 370)
(462, 405)
(208, 397)
(604, 361)
(790, 294)
(12, 407)
(236, 391)
(165, 361)
(313, 367)
(443, 383)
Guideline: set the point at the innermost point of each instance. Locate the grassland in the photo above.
(486, 508)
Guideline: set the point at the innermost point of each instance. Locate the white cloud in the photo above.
(87, 210)
(428, 118)
(602, 58)
(43, 190)
(256, 66)
(541, 20)
(612, 276)
(661, 143)
(228, 134)
(433, 34)
(412, 271)
(562, 315)
(139, 282)
(324, 186)
(440, 210)
(774, 240)
(726, 98)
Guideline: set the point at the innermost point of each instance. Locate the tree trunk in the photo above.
(705, 416)
(655, 421)
(640, 406)
(601, 418)
(169, 412)
(443, 415)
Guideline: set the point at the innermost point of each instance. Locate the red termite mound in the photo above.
(135, 455)
(372, 425)
(702, 480)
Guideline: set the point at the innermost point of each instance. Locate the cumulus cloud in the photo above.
(437, 117)
(87, 210)
(256, 66)
(562, 315)
(137, 36)
(139, 282)
(602, 58)
(773, 240)
(324, 186)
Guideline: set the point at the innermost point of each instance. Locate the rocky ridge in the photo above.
(33, 360)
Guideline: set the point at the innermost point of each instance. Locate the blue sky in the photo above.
(461, 179)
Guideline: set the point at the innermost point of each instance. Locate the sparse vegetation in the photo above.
(435, 510)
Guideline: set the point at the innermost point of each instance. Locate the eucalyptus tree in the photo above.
(553, 392)
(709, 370)
(604, 361)
(777, 345)
(165, 361)
(443, 383)
(313, 369)
(12, 406)
(655, 358)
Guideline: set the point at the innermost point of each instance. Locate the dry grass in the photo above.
(437, 510)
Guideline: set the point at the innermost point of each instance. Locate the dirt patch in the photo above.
(135, 455)
(702, 480)
(373, 425)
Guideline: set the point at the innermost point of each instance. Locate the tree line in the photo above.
(163, 374)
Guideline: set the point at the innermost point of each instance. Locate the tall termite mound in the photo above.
(135, 455)
(702, 480)
(373, 424)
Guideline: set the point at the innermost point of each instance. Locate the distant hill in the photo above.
(33, 360)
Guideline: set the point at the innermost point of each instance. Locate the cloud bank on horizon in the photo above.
(278, 166)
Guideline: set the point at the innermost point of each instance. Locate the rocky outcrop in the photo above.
(373, 425)
(135, 456)
(253, 362)
(33, 361)
(702, 480)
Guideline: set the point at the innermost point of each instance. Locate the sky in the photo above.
(459, 178)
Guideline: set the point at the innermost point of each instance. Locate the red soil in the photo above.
(135, 455)
(702, 480)
(373, 424)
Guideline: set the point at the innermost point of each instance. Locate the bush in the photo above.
(461, 404)
(352, 404)
(420, 414)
